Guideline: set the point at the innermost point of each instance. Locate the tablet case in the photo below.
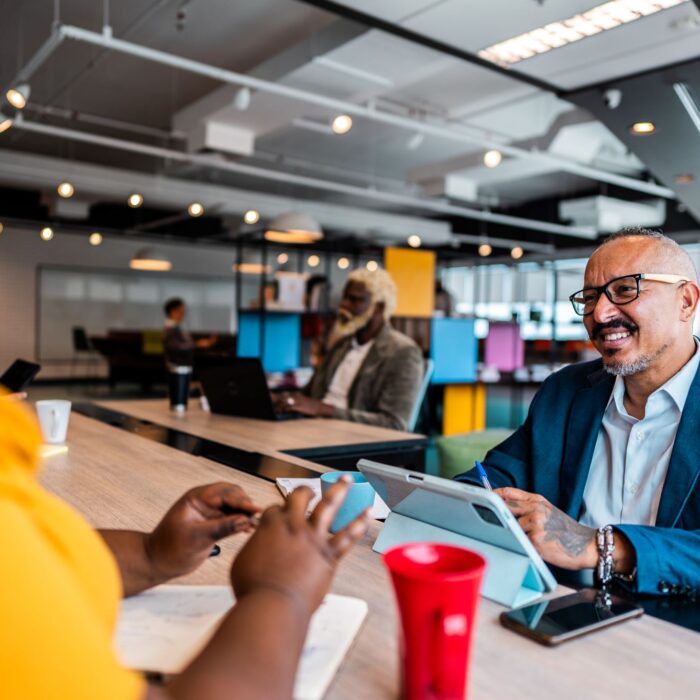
(510, 578)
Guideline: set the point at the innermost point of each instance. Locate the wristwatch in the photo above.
(606, 548)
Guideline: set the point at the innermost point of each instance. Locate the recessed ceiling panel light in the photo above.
(493, 158)
(195, 209)
(414, 241)
(485, 249)
(516, 253)
(684, 179)
(65, 190)
(251, 216)
(95, 238)
(372, 265)
(343, 263)
(46, 233)
(643, 128)
(18, 96)
(556, 34)
(135, 200)
(341, 124)
(313, 261)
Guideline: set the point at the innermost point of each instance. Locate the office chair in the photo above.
(427, 375)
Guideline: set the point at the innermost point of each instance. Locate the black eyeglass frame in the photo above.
(603, 289)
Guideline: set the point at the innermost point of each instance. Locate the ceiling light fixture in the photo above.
(5, 122)
(516, 253)
(250, 268)
(65, 190)
(684, 179)
(485, 250)
(18, 96)
(46, 233)
(683, 94)
(135, 200)
(241, 100)
(195, 209)
(493, 158)
(414, 241)
(372, 265)
(293, 227)
(343, 263)
(95, 238)
(643, 128)
(282, 258)
(313, 261)
(341, 124)
(2, 227)
(558, 34)
(251, 216)
(151, 260)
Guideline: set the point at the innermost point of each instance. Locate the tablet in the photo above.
(18, 375)
(462, 509)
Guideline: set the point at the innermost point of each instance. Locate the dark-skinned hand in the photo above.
(184, 537)
(294, 555)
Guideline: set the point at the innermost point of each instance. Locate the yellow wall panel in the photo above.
(464, 408)
(414, 274)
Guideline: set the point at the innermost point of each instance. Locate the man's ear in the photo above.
(379, 309)
(690, 295)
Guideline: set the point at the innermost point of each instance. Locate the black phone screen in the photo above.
(561, 616)
(19, 374)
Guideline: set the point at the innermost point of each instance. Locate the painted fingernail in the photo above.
(215, 551)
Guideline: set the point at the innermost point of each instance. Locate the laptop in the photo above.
(239, 388)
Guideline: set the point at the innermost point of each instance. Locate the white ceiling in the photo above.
(293, 44)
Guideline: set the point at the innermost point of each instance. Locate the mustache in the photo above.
(616, 323)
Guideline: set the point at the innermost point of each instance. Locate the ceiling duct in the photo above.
(607, 214)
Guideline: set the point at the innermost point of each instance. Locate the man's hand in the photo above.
(293, 555)
(184, 537)
(559, 539)
(303, 404)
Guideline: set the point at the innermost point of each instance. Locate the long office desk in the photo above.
(334, 443)
(118, 479)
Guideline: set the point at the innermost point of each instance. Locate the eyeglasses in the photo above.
(620, 291)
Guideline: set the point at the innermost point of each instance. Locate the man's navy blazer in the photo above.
(551, 453)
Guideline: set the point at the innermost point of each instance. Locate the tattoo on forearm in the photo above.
(573, 537)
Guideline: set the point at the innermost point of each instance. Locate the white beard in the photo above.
(346, 325)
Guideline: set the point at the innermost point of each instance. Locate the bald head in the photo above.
(656, 252)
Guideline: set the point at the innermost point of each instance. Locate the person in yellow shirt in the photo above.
(61, 581)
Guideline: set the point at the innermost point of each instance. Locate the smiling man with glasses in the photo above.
(604, 475)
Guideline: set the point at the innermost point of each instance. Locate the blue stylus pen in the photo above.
(482, 475)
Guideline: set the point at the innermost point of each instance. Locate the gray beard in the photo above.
(627, 369)
(343, 330)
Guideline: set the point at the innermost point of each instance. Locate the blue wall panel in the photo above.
(282, 339)
(454, 349)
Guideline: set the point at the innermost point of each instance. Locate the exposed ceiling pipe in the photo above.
(106, 40)
(303, 180)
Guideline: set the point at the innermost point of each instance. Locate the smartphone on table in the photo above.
(560, 619)
(18, 375)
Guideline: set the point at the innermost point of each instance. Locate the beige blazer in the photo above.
(385, 387)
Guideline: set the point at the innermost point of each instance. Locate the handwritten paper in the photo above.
(164, 628)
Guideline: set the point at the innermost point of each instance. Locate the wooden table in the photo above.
(335, 443)
(118, 479)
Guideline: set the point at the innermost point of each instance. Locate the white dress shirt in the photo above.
(337, 394)
(631, 456)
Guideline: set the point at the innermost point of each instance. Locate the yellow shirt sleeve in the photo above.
(59, 588)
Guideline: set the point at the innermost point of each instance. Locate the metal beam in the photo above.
(340, 106)
(310, 182)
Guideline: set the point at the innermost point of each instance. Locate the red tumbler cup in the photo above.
(437, 588)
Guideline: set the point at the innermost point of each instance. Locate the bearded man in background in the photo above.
(371, 373)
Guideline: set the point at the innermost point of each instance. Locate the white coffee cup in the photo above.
(53, 419)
